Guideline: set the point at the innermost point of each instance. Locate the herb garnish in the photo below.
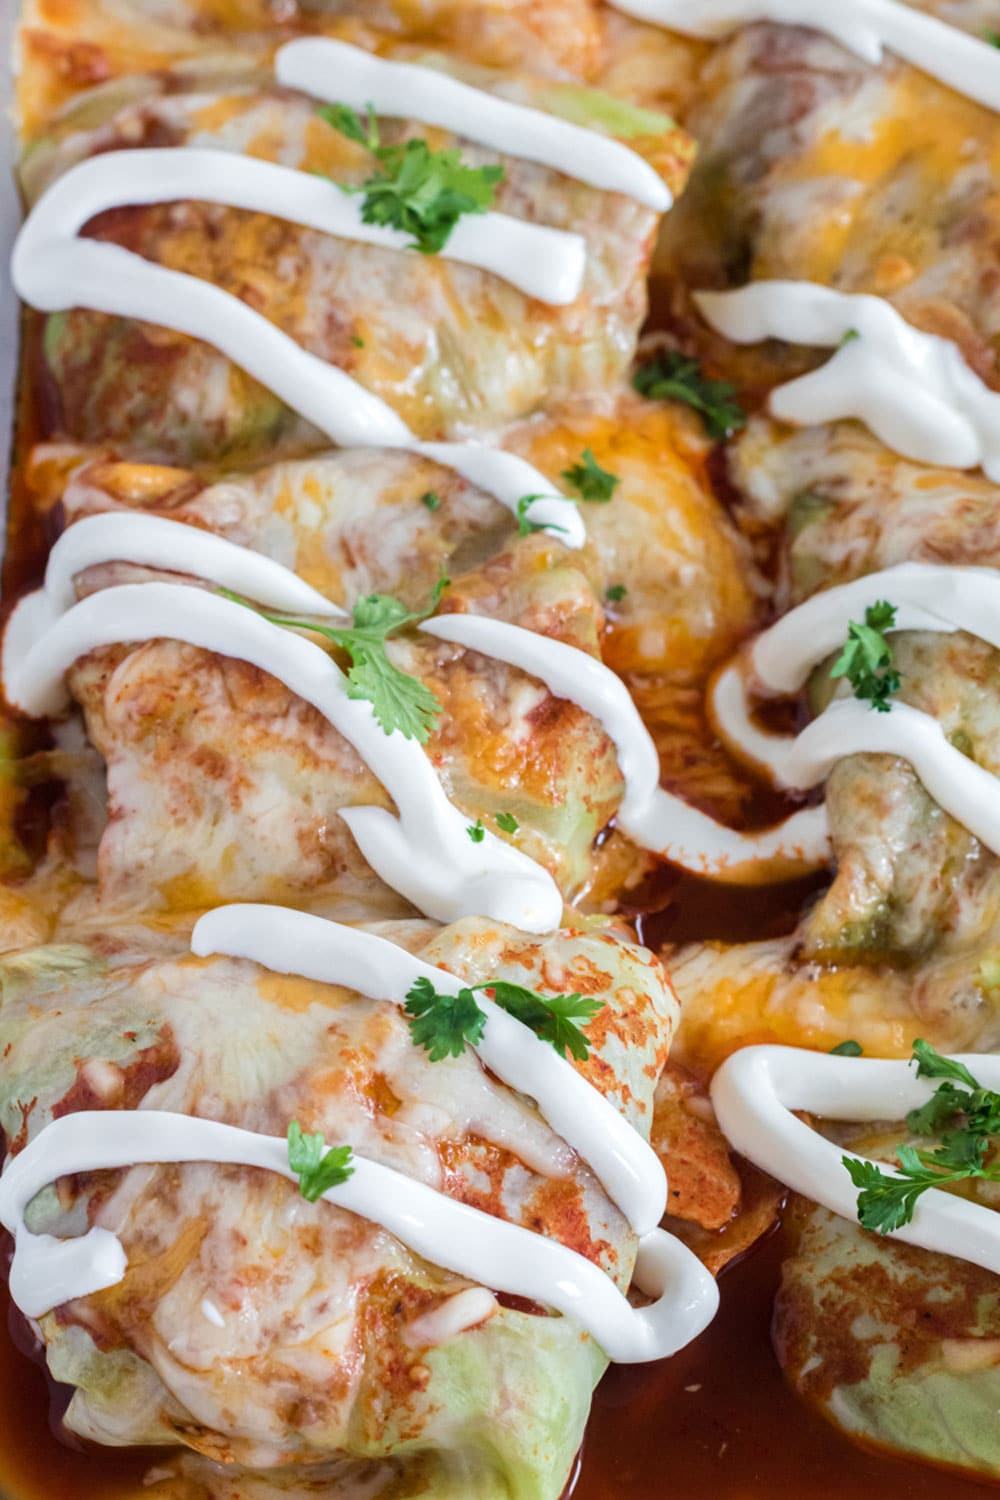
(963, 1118)
(419, 191)
(616, 593)
(398, 700)
(592, 482)
(430, 500)
(476, 831)
(443, 1023)
(317, 1170)
(850, 1048)
(993, 37)
(526, 527)
(866, 660)
(507, 822)
(677, 377)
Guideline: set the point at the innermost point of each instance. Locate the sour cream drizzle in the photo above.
(928, 596)
(541, 262)
(653, 818)
(343, 74)
(913, 389)
(46, 1271)
(963, 62)
(425, 853)
(169, 546)
(292, 942)
(54, 269)
(756, 1091)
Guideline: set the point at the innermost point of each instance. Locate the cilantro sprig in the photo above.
(422, 192)
(442, 1023)
(317, 1169)
(672, 376)
(961, 1115)
(593, 483)
(525, 525)
(398, 700)
(867, 660)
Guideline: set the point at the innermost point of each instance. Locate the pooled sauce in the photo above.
(716, 1422)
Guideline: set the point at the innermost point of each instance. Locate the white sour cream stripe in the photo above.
(53, 269)
(652, 817)
(914, 390)
(965, 63)
(541, 262)
(929, 597)
(425, 853)
(291, 942)
(343, 74)
(176, 547)
(46, 1272)
(756, 1090)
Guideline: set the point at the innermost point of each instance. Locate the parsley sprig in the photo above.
(316, 1168)
(866, 660)
(398, 700)
(591, 481)
(525, 525)
(672, 376)
(422, 192)
(963, 1118)
(443, 1023)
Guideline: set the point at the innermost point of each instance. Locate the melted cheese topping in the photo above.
(297, 943)
(865, 27)
(913, 389)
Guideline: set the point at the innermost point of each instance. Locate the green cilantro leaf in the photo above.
(930, 1064)
(349, 123)
(507, 822)
(885, 1203)
(316, 1168)
(850, 1048)
(431, 500)
(866, 660)
(993, 37)
(398, 700)
(553, 1018)
(961, 1114)
(440, 1023)
(593, 482)
(616, 593)
(357, 342)
(476, 831)
(526, 527)
(421, 192)
(672, 376)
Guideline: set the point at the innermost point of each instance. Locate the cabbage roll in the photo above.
(260, 1330)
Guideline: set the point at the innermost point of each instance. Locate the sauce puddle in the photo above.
(718, 1422)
